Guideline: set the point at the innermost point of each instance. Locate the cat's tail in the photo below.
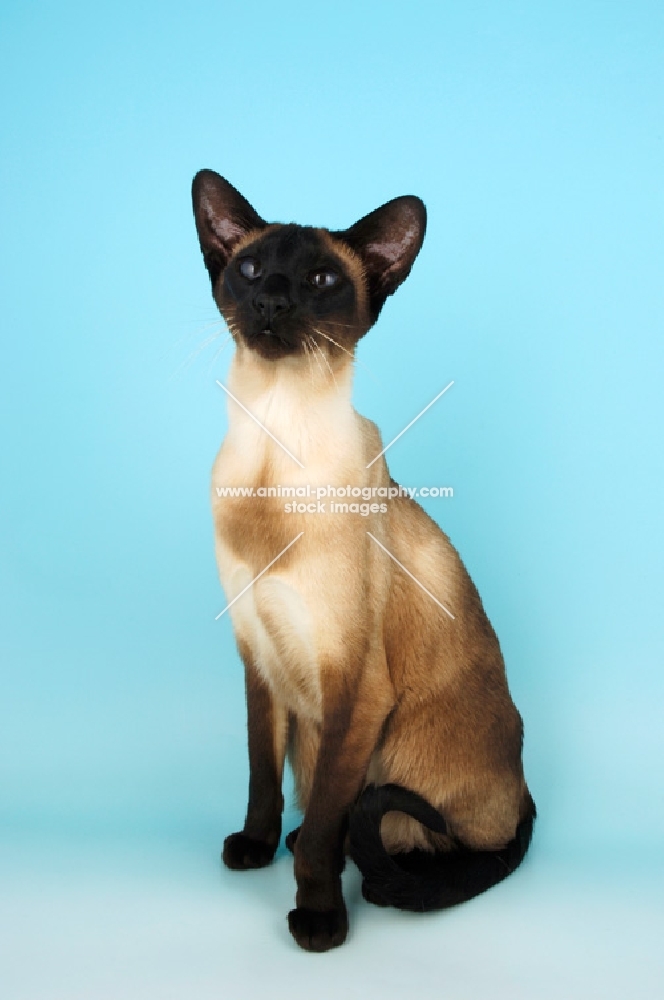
(420, 880)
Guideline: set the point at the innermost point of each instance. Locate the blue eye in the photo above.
(250, 268)
(323, 279)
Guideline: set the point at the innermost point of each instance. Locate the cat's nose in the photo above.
(271, 304)
(273, 300)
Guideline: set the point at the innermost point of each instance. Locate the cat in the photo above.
(390, 702)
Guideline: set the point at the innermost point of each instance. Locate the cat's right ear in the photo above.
(223, 218)
(387, 242)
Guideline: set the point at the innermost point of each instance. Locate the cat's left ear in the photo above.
(223, 218)
(387, 241)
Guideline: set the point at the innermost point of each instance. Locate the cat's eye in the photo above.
(250, 268)
(323, 279)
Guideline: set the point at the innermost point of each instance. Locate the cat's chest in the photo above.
(276, 620)
(289, 436)
(271, 463)
(283, 448)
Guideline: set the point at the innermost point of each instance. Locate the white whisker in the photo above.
(311, 370)
(313, 344)
(198, 331)
(349, 353)
(189, 360)
(324, 357)
(220, 350)
(340, 346)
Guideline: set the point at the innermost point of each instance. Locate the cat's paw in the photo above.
(242, 852)
(316, 930)
(291, 838)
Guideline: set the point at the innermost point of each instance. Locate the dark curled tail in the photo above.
(419, 880)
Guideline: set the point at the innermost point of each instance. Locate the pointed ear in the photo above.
(223, 218)
(388, 241)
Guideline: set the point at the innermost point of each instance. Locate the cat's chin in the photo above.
(272, 351)
(271, 346)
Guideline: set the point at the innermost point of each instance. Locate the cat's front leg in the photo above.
(354, 710)
(255, 845)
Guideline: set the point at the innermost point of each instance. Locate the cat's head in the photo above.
(277, 285)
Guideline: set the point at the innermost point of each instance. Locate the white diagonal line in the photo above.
(408, 573)
(409, 425)
(250, 414)
(217, 617)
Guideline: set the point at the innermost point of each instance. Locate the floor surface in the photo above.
(96, 920)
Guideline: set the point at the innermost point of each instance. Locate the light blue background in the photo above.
(534, 132)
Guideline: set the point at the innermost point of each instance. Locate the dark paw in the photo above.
(316, 930)
(371, 896)
(291, 838)
(242, 852)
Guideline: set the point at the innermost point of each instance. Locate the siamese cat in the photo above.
(392, 707)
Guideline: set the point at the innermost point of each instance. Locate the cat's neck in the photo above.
(311, 382)
(305, 406)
